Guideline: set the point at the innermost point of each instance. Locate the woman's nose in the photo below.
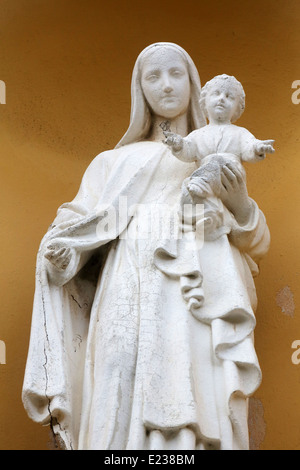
(168, 89)
(167, 86)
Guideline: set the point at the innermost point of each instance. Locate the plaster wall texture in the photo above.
(67, 68)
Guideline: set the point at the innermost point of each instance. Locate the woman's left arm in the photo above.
(234, 194)
(250, 232)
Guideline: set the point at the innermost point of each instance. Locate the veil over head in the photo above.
(140, 118)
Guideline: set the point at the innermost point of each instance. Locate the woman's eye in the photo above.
(152, 77)
(177, 73)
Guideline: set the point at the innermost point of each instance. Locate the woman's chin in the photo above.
(171, 112)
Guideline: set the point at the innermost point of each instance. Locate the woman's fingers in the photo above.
(227, 177)
(231, 175)
(224, 181)
(48, 254)
(234, 193)
(60, 253)
(59, 256)
(54, 253)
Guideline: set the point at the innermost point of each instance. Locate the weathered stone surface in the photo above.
(144, 311)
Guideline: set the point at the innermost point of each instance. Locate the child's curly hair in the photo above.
(233, 81)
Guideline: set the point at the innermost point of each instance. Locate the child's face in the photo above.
(221, 101)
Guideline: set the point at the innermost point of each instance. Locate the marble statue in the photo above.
(142, 338)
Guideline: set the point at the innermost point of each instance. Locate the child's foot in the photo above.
(199, 190)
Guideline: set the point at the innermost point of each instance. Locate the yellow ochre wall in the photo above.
(67, 68)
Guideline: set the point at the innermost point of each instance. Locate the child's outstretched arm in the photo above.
(262, 147)
(180, 146)
(253, 149)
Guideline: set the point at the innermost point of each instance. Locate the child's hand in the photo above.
(175, 141)
(264, 146)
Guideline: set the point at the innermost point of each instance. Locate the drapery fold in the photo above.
(217, 330)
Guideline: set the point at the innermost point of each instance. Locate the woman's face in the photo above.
(166, 83)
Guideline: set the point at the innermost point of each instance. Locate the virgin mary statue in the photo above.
(141, 340)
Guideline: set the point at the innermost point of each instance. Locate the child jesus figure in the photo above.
(220, 142)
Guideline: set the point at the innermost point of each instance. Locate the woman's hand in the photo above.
(59, 256)
(234, 193)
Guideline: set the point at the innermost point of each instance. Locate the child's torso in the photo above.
(213, 139)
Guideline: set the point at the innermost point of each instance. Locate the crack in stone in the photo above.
(76, 301)
(53, 420)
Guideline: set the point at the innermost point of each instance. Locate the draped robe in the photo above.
(116, 354)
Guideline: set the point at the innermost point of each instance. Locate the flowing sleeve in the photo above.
(92, 184)
(253, 238)
(188, 153)
(72, 214)
(62, 303)
(247, 143)
(59, 327)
